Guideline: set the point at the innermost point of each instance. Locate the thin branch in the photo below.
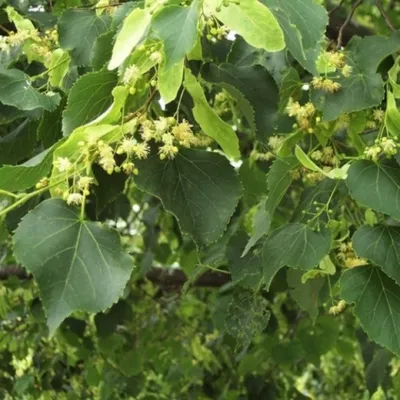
(385, 16)
(164, 277)
(336, 8)
(346, 22)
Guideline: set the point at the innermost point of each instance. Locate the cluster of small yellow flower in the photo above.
(338, 309)
(274, 144)
(169, 133)
(303, 114)
(348, 257)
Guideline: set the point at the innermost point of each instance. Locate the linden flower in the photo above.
(131, 74)
(127, 146)
(347, 70)
(167, 151)
(168, 138)
(316, 155)
(183, 134)
(275, 142)
(63, 164)
(74, 199)
(293, 108)
(141, 150)
(378, 115)
(156, 57)
(129, 167)
(389, 146)
(161, 125)
(373, 152)
(84, 182)
(147, 130)
(337, 59)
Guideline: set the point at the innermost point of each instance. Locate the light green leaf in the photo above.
(376, 186)
(199, 187)
(381, 245)
(169, 81)
(88, 98)
(134, 28)
(335, 173)
(177, 27)
(304, 23)
(78, 30)
(377, 304)
(260, 94)
(327, 265)
(21, 23)
(78, 265)
(211, 124)
(252, 20)
(58, 68)
(247, 316)
(294, 246)
(392, 115)
(24, 176)
(16, 90)
(364, 87)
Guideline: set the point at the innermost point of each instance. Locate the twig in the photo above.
(336, 8)
(346, 22)
(385, 16)
(4, 29)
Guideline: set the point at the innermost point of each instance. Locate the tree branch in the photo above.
(165, 277)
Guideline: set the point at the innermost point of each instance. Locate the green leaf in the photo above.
(294, 246)
(177, 27)
(381, 245)
(134, 28)
(306, 295)
(102, 50)
(77, 264)
(393, 78)
(24, 176)
(211, 124)
(377, 304)
(254, 182)
(377, 370)
(58, 68)
(280, 177)
(199, 187)
(376, 186)
(169, 81)
(50, 126)
(78, 30)
(364, 87)
(290, 87)
(247, 317)
(19, 144)
(88, 98)
(257, 87)
(252, 20)
(304, 23)
(392, 115)
(16, 90)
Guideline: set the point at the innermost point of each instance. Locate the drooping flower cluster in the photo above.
(215, 31)
(168, 133)
(303, 114)
(384, 146)
(338, 309)
(274, 144)
(325, 84)
(347, 255)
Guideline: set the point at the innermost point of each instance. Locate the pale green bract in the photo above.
(133, 30)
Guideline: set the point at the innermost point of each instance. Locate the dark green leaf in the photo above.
(303, 23)
(16, 90)
(199, 187)
(257, 87)
(102, 50)
(50, 126)
(89, 97)
(305, 294)
(247, 316)
(19, 143)
(378, 369)
(78, 265)
(295, 246)
(381, 245)
(376, 186)
(364, 88)
(377, 304)
(78, 30)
